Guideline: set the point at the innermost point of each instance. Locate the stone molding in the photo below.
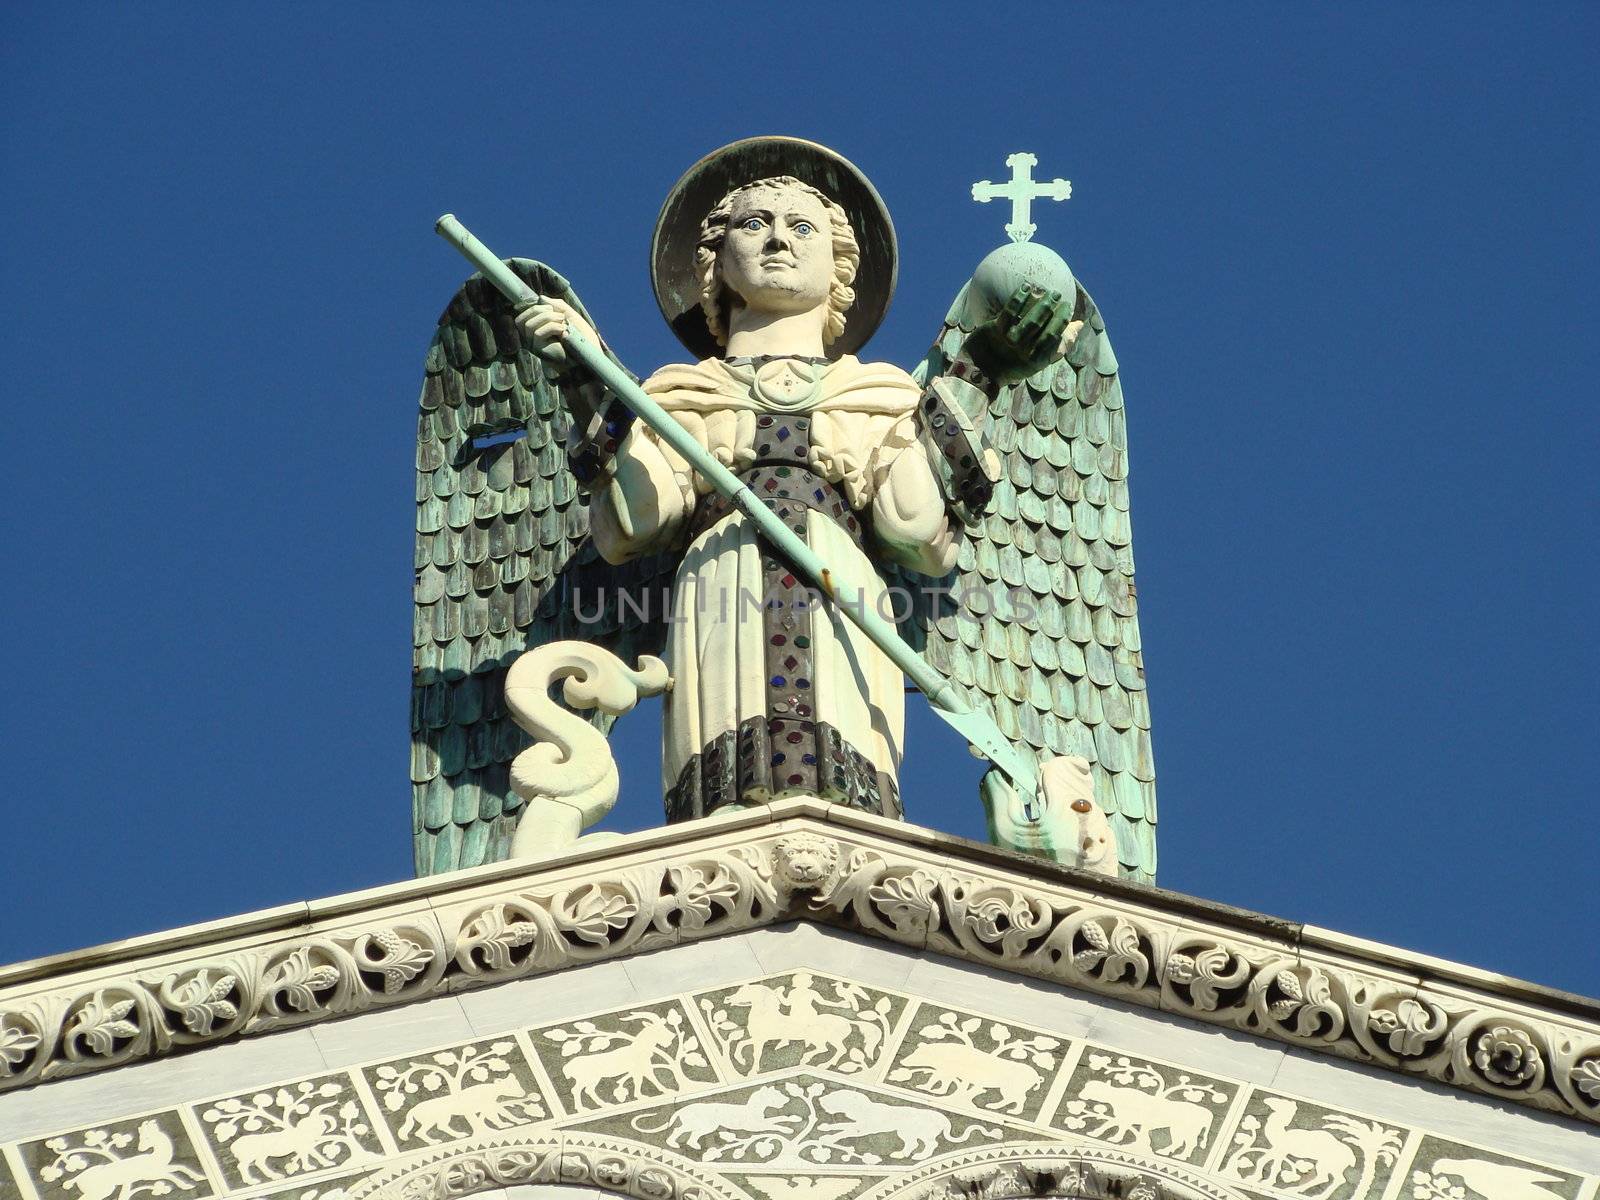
(563, 1159)
(625, 1168)
(1030, 1172)
(802, 860)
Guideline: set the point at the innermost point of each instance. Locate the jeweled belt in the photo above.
(788, 489)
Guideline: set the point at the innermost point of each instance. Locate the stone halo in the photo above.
(677, 232)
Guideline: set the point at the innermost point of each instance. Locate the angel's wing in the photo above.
(1060, 667)
(503, 564)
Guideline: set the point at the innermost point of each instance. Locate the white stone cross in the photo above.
(1022, 190)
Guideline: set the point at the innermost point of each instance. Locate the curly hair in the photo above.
(714, 231)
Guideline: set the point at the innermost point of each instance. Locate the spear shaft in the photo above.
(977, 727)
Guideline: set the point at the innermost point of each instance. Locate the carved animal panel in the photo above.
(801, 1019)
(1301, 1149)
(898, 1080)
(303, 1128)
(975, 1060)
(1145, 1106)
(1442, 1170)
(805, 1121)
(618, 1057)
(122, 1160)
(468, 1091)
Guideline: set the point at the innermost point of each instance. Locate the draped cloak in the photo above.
(774, 691)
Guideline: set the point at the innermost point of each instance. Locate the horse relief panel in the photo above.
(795, 1086)
(466, 1091)
(801, 1019)
(623, 1056)
(1143, 1106)
(296, 1129)
(135, 1159)
(977, 1060)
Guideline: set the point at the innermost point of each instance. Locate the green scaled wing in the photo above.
(503, 564)
(1059, 662)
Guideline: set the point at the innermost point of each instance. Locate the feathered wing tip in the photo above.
(503, 564)
(1061, 668)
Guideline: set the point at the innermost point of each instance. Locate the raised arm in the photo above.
(636, 503)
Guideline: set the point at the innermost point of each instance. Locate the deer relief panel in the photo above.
(801, 1019)
(621, 1057)
(124, 1160)
(978, 1061)
(465, 1091)
(801, 1122)
(1444, 1170)
(1144, 1106)
(1295, 1148)
(300, 1128)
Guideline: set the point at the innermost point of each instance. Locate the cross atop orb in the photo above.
(1021, 190)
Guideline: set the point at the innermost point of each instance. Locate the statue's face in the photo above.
(778, 254)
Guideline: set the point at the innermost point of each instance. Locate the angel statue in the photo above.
(776, 535)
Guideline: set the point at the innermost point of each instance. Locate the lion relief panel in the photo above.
(796, 1085)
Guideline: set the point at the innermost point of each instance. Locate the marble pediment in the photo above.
(794, 1003)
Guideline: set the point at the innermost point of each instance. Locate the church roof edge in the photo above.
(1261, 976)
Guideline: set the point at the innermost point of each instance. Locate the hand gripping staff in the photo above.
(979, 729)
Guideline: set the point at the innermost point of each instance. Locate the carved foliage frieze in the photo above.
(803, 867)
(661, 1097)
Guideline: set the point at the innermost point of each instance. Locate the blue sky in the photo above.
(1346, 258)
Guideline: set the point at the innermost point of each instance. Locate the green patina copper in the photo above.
(1060, 667)
(1022, 189)
(504, 563)
(975, 725)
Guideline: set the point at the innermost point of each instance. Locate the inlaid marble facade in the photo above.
(797, 1085)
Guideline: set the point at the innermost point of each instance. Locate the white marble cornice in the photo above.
(298, 964)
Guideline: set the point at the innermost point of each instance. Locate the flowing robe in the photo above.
(775, 692)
